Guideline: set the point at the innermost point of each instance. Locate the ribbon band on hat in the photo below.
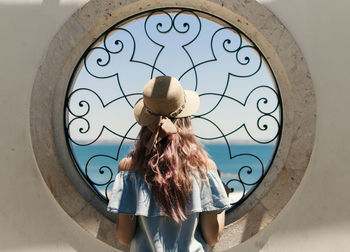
(172, 114)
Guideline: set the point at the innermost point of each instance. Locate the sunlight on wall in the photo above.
(63, 2)
(296, 238)
(15, 2)
(36, 2)
(265, 1)
(43, 248)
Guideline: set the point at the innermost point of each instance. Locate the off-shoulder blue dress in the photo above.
(157, 232)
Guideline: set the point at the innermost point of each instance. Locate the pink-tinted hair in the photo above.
(166, 170)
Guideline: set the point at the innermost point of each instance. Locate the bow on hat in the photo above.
(162, 128)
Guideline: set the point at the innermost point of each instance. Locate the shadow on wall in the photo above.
(31, 220)
(30, 26)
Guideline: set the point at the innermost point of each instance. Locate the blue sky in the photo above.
(174, 61)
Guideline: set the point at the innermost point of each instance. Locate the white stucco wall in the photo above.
(316, 219)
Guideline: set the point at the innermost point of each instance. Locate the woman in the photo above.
(167, 192)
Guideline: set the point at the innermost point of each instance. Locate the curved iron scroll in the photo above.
(240, 99)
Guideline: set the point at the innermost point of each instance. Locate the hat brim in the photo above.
(144, 118)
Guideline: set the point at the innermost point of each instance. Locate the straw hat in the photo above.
(164, 96)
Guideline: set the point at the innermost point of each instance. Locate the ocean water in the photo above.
(241, 166)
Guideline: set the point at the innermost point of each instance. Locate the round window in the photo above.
(240, 59)
(240, 118)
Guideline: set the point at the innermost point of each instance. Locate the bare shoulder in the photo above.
(211, 165)
(125, 164)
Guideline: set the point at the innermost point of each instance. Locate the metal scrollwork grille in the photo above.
(239, 121)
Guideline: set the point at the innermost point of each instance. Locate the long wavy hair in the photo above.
(166, 170)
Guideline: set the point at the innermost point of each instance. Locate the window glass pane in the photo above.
(239, 121)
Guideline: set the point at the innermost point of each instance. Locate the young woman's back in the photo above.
(167, 192)
(158, 232)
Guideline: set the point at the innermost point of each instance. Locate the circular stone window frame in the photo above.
(258, 24)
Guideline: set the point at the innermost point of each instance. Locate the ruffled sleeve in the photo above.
(130, 195)
(208, 195)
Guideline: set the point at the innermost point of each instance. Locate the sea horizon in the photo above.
(247, 162)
